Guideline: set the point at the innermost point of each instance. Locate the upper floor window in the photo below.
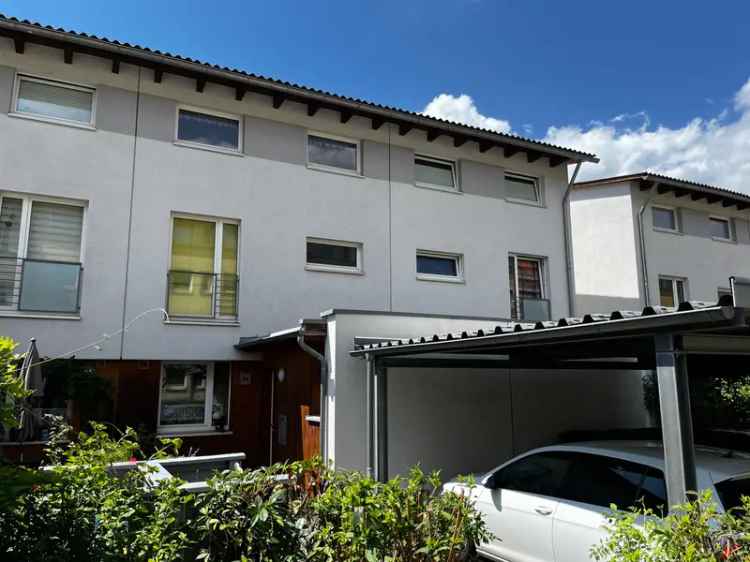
(203, 278)
(333, 153)
(435, 172)
(194, 397)
(522, 188)
(665, 218)
(439, 266)
(209, 128)
(527, 292)
(333, 255)
(40, 254)
(672, 291)
(721, 228)
(54, 101)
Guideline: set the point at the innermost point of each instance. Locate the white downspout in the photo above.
(568, 243)
(642, 244)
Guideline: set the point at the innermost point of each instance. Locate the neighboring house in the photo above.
(134, 181)
(647, 240)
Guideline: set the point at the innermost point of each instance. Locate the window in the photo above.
(194, 396)
(438, 266)
(54, 101)
(333, 153)
(40, 254)
(602, 481)
(672, 291)
(522, 188)
(203, 278)
(542, 474)
(202, 128)
(434, 172)
(665, 219)
(731, 492)
(527, 295)
(721, 229)
(333, 256)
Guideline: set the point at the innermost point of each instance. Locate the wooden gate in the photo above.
(310, 432)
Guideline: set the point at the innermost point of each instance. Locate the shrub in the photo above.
(696, 531)
(286, 513)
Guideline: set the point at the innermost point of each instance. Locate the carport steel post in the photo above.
(676, 422)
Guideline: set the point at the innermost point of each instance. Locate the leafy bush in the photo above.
(696, 531)
(286, 513)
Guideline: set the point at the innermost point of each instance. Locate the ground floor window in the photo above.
(194, 397)
(672, 291)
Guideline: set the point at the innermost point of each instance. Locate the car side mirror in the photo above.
(492, 482)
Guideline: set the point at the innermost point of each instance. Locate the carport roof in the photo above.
(689, 317)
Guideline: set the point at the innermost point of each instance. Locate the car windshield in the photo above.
(731, 492)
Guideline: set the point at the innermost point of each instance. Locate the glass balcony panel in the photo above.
(49, 286)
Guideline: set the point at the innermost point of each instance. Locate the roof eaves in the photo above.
(234, 77)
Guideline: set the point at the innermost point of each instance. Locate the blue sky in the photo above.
(645, 84)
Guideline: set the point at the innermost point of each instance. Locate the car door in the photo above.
(518, 502)
(592, 486)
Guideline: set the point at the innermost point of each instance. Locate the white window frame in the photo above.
(21, 76)
(541, 261)
(454, 173)
(211, 113)
(458, 258)
(207, 424)
(730, 228)
(675, 279)
(358, 270)
(537, 189)
(219, 223)
(677, 226)
(27, 202)
(323, 167)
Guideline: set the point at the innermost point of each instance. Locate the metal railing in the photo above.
(213, 296)
(40, 285)
(530, 310)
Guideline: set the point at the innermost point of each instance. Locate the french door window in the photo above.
(203, 280)
(527, 294)
(40, 254)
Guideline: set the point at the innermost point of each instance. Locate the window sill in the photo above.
(667, 231)
(433, 187)
(333, 269)
(339, 171)
(442, 279)
(724, 240)
(37, 315)
(194, 433)
(53, 121)
(207, 322)
(209, 148)
(525, 202)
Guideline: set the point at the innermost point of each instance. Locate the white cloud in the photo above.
(715, 151)
(462, 109)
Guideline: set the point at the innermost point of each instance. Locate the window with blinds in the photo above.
(527, 295)
(40, 254)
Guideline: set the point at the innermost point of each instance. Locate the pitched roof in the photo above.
(680, 187)
(25, 31)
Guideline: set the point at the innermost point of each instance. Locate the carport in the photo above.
(656, 339)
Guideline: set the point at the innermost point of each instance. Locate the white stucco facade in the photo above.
(607, 250)
(129, 160)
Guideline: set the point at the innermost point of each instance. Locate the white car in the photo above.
(550, 504)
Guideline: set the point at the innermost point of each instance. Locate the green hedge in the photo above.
(288, 512)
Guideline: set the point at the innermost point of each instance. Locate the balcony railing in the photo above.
(530, 310)
(40, 285)
(196, 295)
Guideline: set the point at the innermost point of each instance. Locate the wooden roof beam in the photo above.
(200, 85)
(532, 156)
(158, 75)
(345, 116)
(312, 109)
(20, 45)
(509, 151)
(432, 134)
(239, 93)
(484, 146)
(459, 141)
(555, 161)
(404, 128)
(68, 55)
(278, 99)
(377, 122)
(115, 66)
